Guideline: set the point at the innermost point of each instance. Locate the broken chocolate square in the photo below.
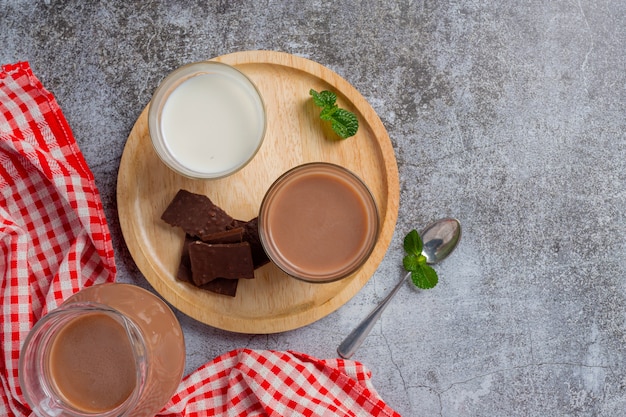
(223, 286)
(228, 260)
(251, 235)
(232, 248)
(228, 236)
(184, 268)
(196, 214)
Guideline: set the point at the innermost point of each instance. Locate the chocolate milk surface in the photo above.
(92, 364)
(162, 334)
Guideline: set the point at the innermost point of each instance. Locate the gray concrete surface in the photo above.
(510, 115)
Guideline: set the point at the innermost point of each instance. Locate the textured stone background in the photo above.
(510, 115)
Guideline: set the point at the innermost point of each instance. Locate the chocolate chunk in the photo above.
(184, 268)
(196, 214)
(211, 261)
(251, 235)
(218, 250)
(237, 223)
(222, 286)
(228, 236)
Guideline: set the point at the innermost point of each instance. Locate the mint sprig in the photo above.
(422, 275)
(343, 122)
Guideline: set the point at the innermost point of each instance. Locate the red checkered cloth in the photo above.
(55, 240)
(263, 383)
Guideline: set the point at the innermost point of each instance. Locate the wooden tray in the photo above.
(272, 302)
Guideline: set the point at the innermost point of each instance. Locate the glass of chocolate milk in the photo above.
(110, 350)
(318, 222)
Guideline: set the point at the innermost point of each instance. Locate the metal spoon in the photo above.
(440, 239)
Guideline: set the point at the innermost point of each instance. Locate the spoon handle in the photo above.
(352, 342)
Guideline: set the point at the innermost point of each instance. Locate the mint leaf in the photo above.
(424, 277)
(343, 122)
(410, 262)
(328, 112)
(413, 243)
(323, 99)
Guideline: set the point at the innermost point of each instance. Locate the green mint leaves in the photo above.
(422, 275)
(343, 122)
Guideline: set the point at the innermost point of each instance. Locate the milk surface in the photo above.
(212, 122)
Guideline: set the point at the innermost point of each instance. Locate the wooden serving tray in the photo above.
(272, 302)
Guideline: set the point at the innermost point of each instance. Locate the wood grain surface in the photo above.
(272, 302)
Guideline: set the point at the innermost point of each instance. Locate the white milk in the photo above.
(212, 123)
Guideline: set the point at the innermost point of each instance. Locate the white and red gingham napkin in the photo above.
(54, 240)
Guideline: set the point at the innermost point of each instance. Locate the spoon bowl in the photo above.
(439, 238)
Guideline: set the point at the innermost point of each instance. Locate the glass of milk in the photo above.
(206, 120)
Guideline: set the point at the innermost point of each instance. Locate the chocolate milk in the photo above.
(92, 364)
(165, 347)
(319, 221)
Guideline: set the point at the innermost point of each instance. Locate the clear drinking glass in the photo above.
(318, 222)
(109, 350)
(46, 381)
(206, 120)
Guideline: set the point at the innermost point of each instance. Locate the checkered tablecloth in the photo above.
(54, 240)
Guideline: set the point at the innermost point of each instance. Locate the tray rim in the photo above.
(299, 318)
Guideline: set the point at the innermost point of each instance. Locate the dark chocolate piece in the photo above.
(229, 260)
(232, 248)
(237, 223)
(222, 286)
(184, 268)
(251, 235)
(228, 236)
(196, 214)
